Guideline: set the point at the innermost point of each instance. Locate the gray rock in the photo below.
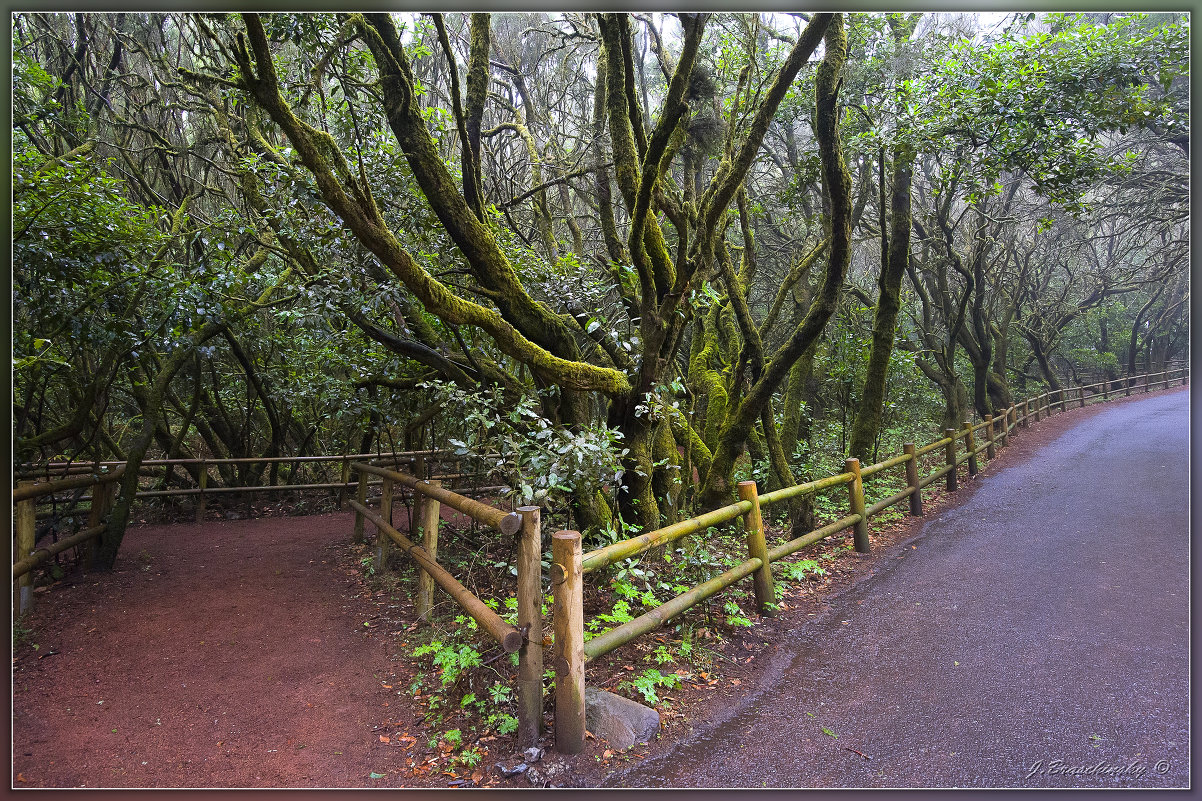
(533, 754)
(516, 769)
(619, 720)
(545, 776)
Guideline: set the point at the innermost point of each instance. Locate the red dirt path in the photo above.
(228, 654)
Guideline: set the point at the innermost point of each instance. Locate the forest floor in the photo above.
(254, 653)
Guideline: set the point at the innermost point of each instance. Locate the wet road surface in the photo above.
(1037, 637)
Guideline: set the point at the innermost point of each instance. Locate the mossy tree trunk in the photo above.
(896, 249)
(718, 486)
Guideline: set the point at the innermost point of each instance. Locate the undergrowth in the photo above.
(464, 683)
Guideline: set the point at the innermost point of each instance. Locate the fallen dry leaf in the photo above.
(384, 739)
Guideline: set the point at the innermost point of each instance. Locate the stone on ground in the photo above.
(618, 720)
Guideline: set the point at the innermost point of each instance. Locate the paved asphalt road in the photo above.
(1037, 637)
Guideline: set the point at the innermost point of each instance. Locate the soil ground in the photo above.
(250, 653)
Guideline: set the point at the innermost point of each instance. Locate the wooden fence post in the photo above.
(361, 497)
(971, 447)
(855, 491)
(757, 548)
(530, 622)
(1038, 406)
(427, 513)
(102, 499)
(912, 479)
(1127, 386)
(1082, 391)
(950, 451)
(345, 480)
(1106, 389)
(990, 449)
(1063, 406)
(567, 582)
(1011, 422)
(383, 541)
(25, 523)
(202, 483)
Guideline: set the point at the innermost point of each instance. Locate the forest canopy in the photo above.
(625, 260)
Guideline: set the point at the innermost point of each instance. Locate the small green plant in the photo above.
(468, 758)
(617, 616)
(797, 571)
(21, 632)
(368, 563)
(502, 722)
(649, 682)
(735, 616)
(451, 660)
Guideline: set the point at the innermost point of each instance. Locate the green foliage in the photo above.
(650, 682)
(451, 660)
(799, 570)
(1038, 102)
(542, 463)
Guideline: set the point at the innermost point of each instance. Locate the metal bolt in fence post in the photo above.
(912, 479)
(427, 513)
(855, 491)
(990, 449)
(971, 446)
(24, 521)
(202, 482)
(950, 451)
(383, 541)
(567, 582)
(757, 547)
(530, 621)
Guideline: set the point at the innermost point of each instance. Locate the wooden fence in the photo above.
(64, 479)
(569, 564)
(26, 556)
(198, 472)
(526, 637)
